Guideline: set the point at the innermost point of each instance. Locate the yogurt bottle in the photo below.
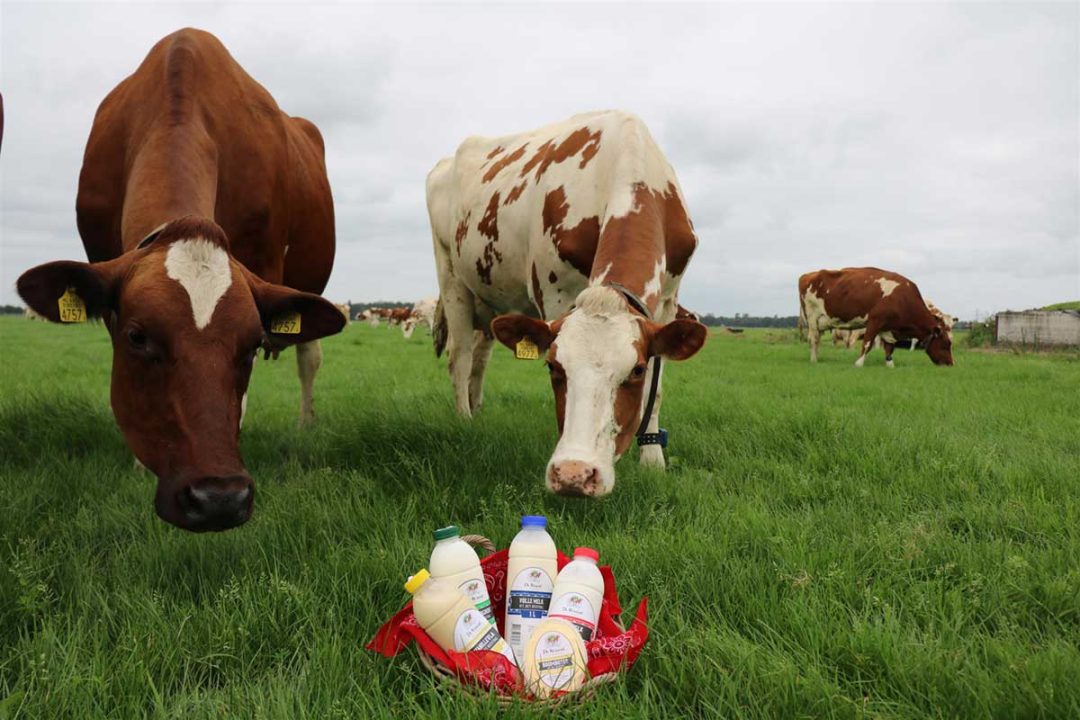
(451, 619)
(530, 578)
(578, 593)
(454, 561)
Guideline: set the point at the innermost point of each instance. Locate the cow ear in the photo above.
(512, 329)
(292, 316)
(678, 340)
(93, 284)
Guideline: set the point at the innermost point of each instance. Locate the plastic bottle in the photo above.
(555, 659)
(454, 561)
(451, 619)
(530, 579)
(578, 593)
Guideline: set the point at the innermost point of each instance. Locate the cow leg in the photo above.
(815, 337)
(653, 455)
(459, 346)
(867, 344)
(308, 360)
(481, 353)
(888, 347)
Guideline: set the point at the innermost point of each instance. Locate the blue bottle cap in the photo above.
(533, 521)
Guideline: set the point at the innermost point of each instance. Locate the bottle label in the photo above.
(554, 658)
(472, 631)
(530, 594)
(576, 609)
(477, 593)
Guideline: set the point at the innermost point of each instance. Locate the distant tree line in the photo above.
(10, 310)
(751, 321)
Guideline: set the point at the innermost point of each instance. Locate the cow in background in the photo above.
(423, 312)
(886, 304)
(206, 216)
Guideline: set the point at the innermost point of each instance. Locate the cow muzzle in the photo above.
(576, 478)
(216, 503)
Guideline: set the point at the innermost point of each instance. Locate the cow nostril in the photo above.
(217, 503)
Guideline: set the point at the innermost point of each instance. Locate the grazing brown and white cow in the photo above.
(206, 215)
(423, 313)
(581, 228)
(886, 304)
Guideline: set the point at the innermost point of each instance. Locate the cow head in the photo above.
(598, 357)
(186, 320)
(939, 344)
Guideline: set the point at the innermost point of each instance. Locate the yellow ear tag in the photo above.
(288, 324)
(526, 350)
(72, 307)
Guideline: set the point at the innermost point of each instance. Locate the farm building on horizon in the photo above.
(1038, 327)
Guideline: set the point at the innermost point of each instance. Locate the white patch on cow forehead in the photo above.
(887, 286)
(202, 269)
(600, 334)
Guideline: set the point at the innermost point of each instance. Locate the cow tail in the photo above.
(803, 329)
(438, 329)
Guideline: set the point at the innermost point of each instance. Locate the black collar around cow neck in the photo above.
(151, 236)
(645, 438)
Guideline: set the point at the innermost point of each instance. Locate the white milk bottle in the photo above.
(529, 578)
(454, 561)
(578, 593)
(451, 619)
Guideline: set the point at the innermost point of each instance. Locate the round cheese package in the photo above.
(555, 659)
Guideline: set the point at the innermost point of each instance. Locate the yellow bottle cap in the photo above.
(417, 580)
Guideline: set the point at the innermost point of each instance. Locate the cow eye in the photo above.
(638, 371)
(140, 344)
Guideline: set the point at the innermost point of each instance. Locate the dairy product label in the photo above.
(554, 657)
(576, 609)
(477, 593)
(530, 594)
(472, 631)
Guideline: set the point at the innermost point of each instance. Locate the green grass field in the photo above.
(827, 541)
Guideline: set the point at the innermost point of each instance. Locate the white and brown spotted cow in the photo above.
(423, 313)
(886, 304)
(570, 226)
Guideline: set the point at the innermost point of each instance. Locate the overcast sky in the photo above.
(939, 141)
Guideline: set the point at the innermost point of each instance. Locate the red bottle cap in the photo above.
(587, 552)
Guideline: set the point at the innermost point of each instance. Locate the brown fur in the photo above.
(190, 139)
(581, 140)
(502, 162)
(576, 245)
(854, 292)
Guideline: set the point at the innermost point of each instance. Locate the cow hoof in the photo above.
(652, 456)
(889, 364)
(306, 419)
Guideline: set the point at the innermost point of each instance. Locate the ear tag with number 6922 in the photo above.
(526, 350)
(72, 307)
(287, 324)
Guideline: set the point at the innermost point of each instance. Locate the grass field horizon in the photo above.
(826, 542)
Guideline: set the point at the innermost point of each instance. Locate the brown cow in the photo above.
(885, 303)
(191, 141)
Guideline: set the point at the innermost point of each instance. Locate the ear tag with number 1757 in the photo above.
(72, 307)
(526, 350)
(287, 324)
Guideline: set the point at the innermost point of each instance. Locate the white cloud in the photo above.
(936, 140)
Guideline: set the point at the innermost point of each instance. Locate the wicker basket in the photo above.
(446, 675)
